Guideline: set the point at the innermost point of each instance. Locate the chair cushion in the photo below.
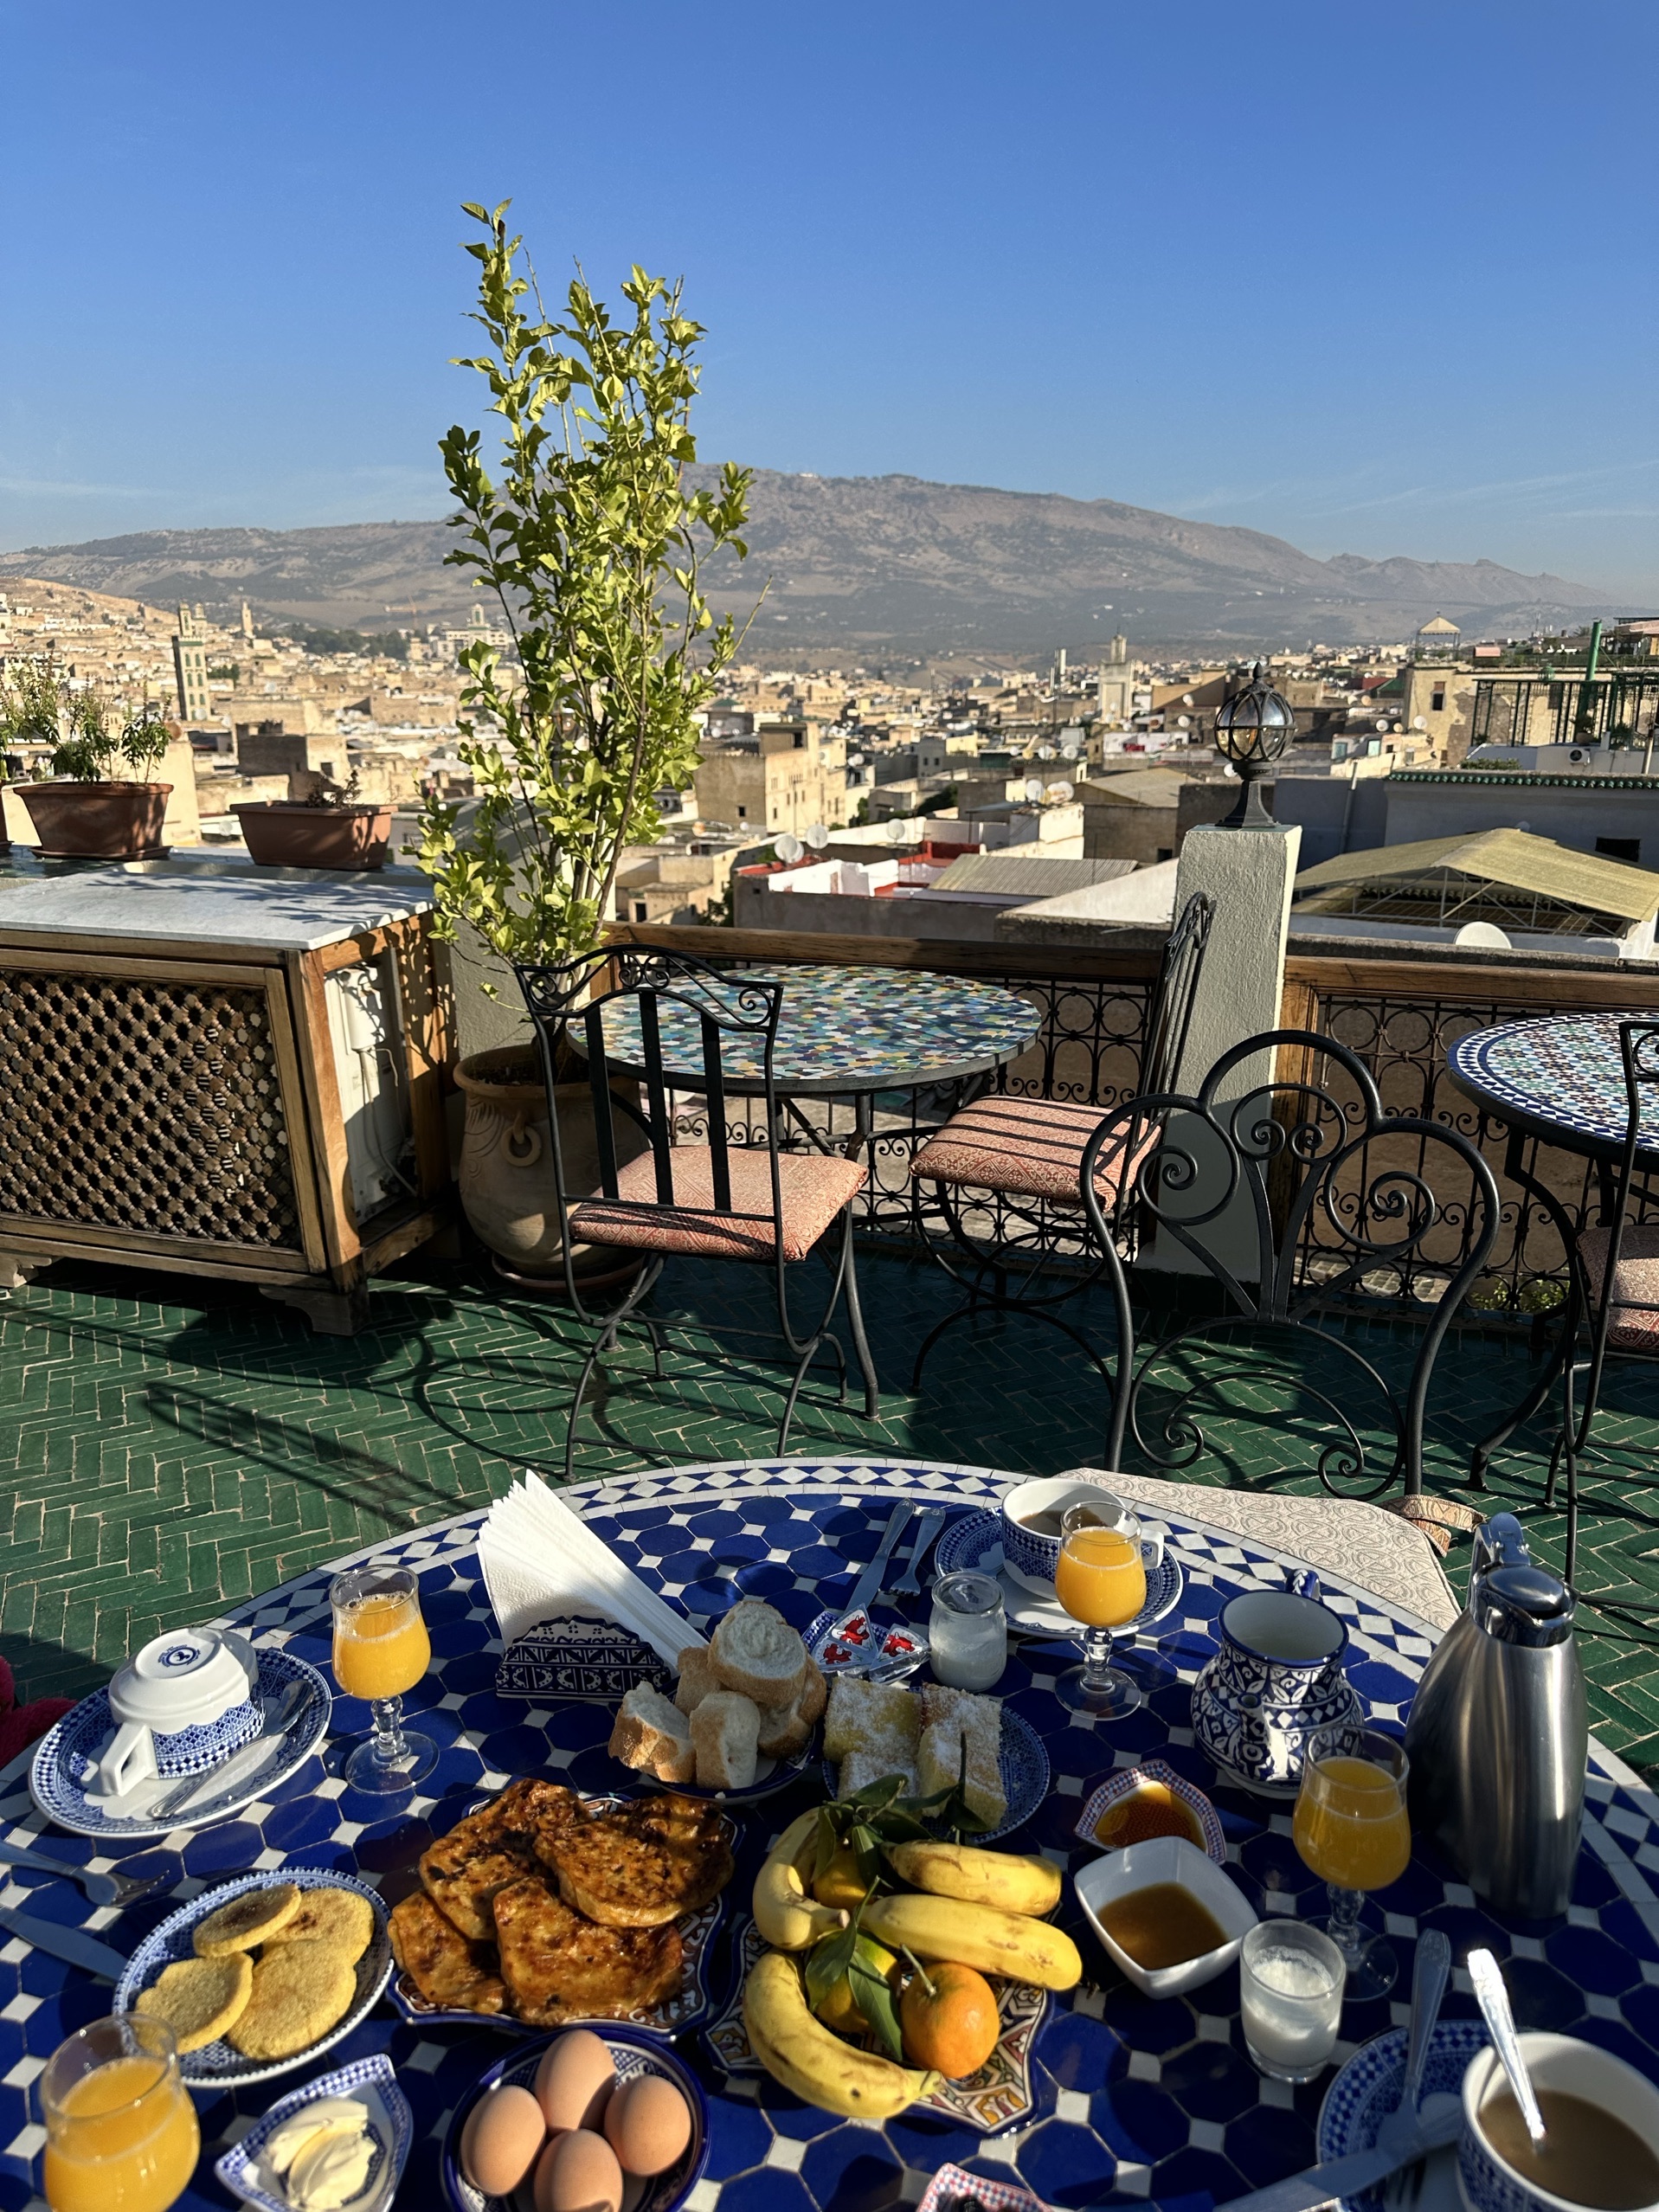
(814, 1186)
(1636, 1284)
(1031, 1147)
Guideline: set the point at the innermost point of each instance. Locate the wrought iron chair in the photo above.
(752, 1202)
(1018, 1159)
(1619, 1263)
(1287, 1199)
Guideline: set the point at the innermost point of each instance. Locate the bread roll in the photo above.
(697, 1678)
(725, 1732)
(651, 1735)
(756, 1653)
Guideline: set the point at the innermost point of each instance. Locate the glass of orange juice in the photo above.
(1101, 1579)
(1353, 1830)
(380, 1650)
(122, 2132)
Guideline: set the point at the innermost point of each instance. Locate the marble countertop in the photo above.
(290, 912)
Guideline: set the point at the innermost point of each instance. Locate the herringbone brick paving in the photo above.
(167, 1446)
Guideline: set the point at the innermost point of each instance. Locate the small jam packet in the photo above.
(854, 1644)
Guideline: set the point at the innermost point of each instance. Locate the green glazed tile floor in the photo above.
(167, 1446)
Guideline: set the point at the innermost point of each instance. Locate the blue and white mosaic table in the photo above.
(1561, 1079)
(845, 1030)
(1135, 2101)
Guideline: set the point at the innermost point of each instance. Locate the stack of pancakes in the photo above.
(536, 1906)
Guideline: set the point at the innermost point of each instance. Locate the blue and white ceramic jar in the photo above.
(1275, 1679)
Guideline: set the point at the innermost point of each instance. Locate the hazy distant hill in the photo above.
(885, 562)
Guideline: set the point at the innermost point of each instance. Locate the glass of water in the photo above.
(1291, 1982)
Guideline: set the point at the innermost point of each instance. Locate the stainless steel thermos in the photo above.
(1498, 1736)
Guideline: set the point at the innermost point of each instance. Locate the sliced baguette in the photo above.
(756, 1653)
(651, 1735)
(725, 1733)
(697, 1678)
(815, 1695)
(784, 1731)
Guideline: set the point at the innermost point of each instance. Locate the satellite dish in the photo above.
(1061, 791)
(1382, 723)
(1186, 698)
(1033, 787)
(898, 830)
(1420, 722)
(1069, 751)
(789, 849)
(1183, 722)
(818, 837)
(855, 760)
(1485, 933)
(1045, 752)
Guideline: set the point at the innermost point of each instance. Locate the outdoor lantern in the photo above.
(1252, 729)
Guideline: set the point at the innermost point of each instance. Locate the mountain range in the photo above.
(885, 565)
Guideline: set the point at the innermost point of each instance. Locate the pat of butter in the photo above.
(330, 2170)
(343, 2118)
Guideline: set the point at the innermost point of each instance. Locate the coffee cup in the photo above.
(185, 1701)
(1569, 2068)
(1030, 1552)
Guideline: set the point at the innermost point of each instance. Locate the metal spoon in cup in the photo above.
(1493, 1998)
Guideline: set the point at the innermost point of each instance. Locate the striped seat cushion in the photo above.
(1636, 1284)
(814, 1186)
(1031, 1148)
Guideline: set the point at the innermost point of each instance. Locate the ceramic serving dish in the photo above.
(1166, 1858)
(1025, 1771)
(1489, 2183)
(1118, 1790)
(391, 2130)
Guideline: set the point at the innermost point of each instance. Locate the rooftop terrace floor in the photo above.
(167, 1446)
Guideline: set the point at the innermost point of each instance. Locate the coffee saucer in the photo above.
(975, 1540)
(72, 1747)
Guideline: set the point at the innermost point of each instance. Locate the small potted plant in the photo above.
(90, 809)
(335, 829)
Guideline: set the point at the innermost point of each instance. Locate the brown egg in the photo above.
(647, 2124)
(574, 2080)
(581, 2175)
(503, 2135)
(526, 2199)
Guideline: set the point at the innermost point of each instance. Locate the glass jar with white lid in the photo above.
(968, 1631)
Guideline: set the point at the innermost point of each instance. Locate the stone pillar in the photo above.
(1250, 873)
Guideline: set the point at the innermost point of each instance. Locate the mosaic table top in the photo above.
(1562, 1079)
(1135, 2101)
(848, 1030)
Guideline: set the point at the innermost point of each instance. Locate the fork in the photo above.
(117, 1889)
(907, 1585)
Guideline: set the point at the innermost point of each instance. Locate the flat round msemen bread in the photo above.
(200, 1998)
(251, 1919)
(300, 1990)
(337, 1916)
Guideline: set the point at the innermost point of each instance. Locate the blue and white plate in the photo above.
(978, 1536)
(633, 2055)
(373, 2083)
(685, 2009)
(219, 2064)
(1367, 2090)
(771, 1775)
(1025, 1775)
(74, 1746)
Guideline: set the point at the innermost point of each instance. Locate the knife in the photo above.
(870, 1582)
(68, 1944)
(1348, 2177)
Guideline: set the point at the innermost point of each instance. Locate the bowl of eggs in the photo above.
(602, 2119)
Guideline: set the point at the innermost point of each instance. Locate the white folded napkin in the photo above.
(539, 1560)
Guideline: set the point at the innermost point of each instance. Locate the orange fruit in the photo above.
(840, 1883)
(840, 2009)
(954, 2028)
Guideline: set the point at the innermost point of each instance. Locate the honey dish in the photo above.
(1159, 1896)
(1141, 1802)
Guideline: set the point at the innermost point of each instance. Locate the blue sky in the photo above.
(1376, 277)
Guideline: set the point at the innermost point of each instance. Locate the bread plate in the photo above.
(219, 2064)
(687, 2008)
(771, 1775)
(1024, 1762)
(634, 2054)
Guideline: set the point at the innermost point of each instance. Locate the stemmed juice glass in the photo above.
(1353, 1830)
(381, 1650)
(1101, 1581)
(122, 2132)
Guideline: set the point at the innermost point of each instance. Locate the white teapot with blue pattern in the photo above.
(1275, 1679)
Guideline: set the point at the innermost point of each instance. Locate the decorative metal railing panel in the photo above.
(173, 1094)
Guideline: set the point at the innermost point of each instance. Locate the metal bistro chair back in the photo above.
(667, 1018)
(1290, 1198)
(1619, 1264)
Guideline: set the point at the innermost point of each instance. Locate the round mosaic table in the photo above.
(848, 1032)
(1132, 2101)
(1559, 1082)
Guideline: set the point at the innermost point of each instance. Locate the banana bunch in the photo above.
(980, 1936)
(1004, 1879)
(784, 1914)
(798, 2051)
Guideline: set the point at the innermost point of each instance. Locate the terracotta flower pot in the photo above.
(98, 821)
(289, 833)
(506, 1166)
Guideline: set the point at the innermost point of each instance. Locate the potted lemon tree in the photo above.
(579, 523)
